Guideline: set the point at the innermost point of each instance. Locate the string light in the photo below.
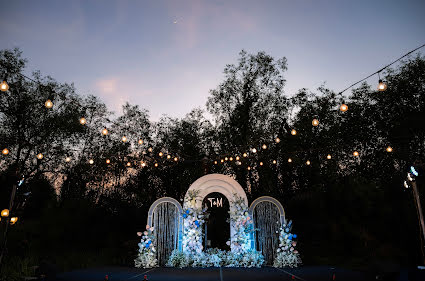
(105, 132)
(168, 156)
(143, 164)
(5, 213)
(343, 107)
(261, 164)
(48, 104)
(91, 161)
(225, 158)
(108, 161)
(389, 149)
(264, 146)
(382, 86)
(293, 132)
(215, 162)
(222, 161)
(83, 121)
(244, 155)
(124, 138)
(277, 140)
(231, 158)
(274, 161)
(254, 150)
(128, 164)
(308, 162)
(156, 164)
(356, 153)
(289, 160)
(4, 86)
(140, 141)
(5, 151)
(161, 154)
(237, 158)
(249, 168)
(176, 159)
(68, 159)
(13, 220)
(40, 156)
(315, 122)
(329, 157)
(150, 149)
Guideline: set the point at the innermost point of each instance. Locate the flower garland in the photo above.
(193, 219)
(147, 253)
(287, 255)
(241, 222)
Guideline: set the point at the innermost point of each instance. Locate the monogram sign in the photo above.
(216, 202)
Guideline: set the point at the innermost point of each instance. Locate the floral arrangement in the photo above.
(146, 257)
(242, 225)
(287, 255)
(193, 219)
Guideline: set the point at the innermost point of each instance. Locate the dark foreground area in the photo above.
(235, 274)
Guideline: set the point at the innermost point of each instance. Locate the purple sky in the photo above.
(134, 51)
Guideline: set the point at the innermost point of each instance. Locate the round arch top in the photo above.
(217, 183)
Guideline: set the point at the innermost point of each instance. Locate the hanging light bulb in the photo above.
(244, 155)
(13, 220)
(48, 104)
(215, 162)
(274, 161)
(222, 161)
(308, 162)
(5, 151)
(168, 156)
(261, 163)
(40, 156)
(68, 159)
(225, 158)
(293, 132)
(105, 132)
(128, 164)
(329, 157)
(124, 138)
(289, 160)
(343, 107)
(83, 121)
(176, 159)
(156, 164)
(108, 161)
(91, 161)
(264, 146)
(382, 86)
(3, 86)
(389, 149)
(277, 140)
(254, 150)
(356, 153)
(315, 122)
(231, 158)
(150, 149)
(237, 158)
(143, 164)
(160, 154)
(140, 141)
(5, 213)
(249, 168)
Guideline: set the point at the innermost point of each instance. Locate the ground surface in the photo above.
(305, 273)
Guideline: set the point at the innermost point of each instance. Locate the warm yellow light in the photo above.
(156, 165)
(231, 158)
(128, 164)
(343, 107)
(48, 104)
(215, 162)
(176, 159)
(289, 160)
(249, 168)
(168, 156)
(237, 158)
(140, 141)
(264, 146)
(308, 162)
(315, 122)
(83, 121)
(225, 158)
(3, 86)
(5, 151)
(274, 161)
(13, 219)
(293, 132)
(150, 149)
(161, 154)
(5, 213)
(91, 161)
(261, 164)
(124, 138)
(222, 161)
(254, 150)
(105, 132)
(244, 155)
(277, 140)
(40, 156)
(389, 149)
(329, 156)
(382, 86)
(108, 161)
(355, 153)
(143, 164)
(68, 159)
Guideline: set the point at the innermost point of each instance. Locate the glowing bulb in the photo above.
(231, 158)
(150, 149)
(143, 164)
(5, 151)
(108, 161)
(4, 87)
(48, 104)
(13, 219)
(245, 155)
(277, 140)
(140, 141)
(68, 159)
(222, 161)
(308, 162)
(315, 122)
(356, 153)
(156, 164)
(105, 132)
(254, 150)
(124, 138)
(389, 149)
(343, 107)
(264, 146)
(289, 160)
(91, 161)
(40, 156)
(261, 164)
(128, 164)
(329, 156)
(161, 154)
(5, 213)
(293, 132)
(215, 162)
(176, 159)
(225, 158)
(249, 168)
(237, 158)
(274, 161)
(83, 121)
(168, 156)
(382, 86)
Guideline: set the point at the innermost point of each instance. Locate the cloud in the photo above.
(107, 85)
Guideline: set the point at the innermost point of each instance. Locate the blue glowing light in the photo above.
(295, 236)
(413, 171)
(187, 212)
(184, 215)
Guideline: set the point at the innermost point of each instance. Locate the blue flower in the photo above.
(197, 223)
(184, 215)
(187, 212)
(149, 242)
(147, 245)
